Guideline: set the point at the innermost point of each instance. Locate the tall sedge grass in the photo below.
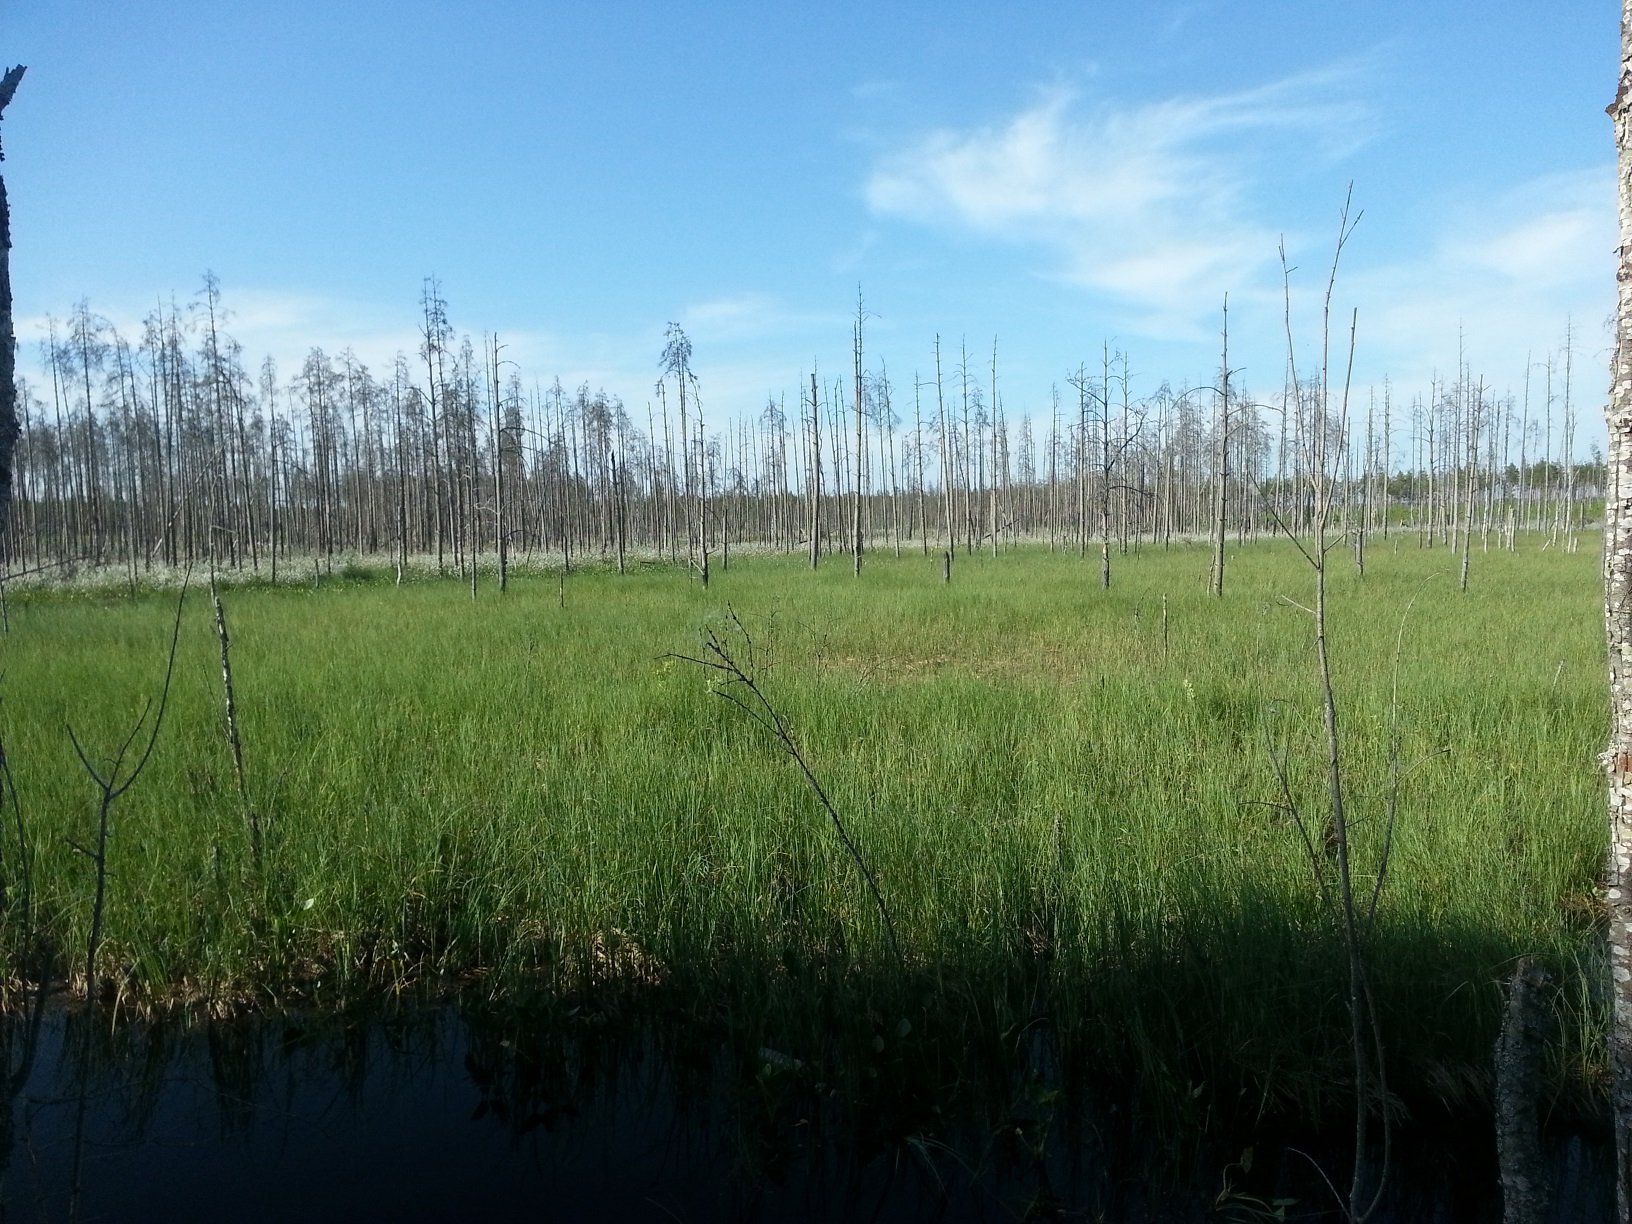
(1066, 795)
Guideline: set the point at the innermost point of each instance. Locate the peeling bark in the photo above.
(1618, 624)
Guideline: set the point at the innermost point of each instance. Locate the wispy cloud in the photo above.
(1158, 208)
(1502, 276)
(1154, 204)
(1541, 235)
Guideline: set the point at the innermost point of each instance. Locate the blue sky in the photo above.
(1053, 176)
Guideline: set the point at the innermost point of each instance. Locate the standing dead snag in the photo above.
(1520, 1050)
(1618, 628)
(861, 449)
(8, 341)
(815, 478)
(1221, 460)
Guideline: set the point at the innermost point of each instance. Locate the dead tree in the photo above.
(1221, 461)
(815, 475)
(861, 450)
(8, 340)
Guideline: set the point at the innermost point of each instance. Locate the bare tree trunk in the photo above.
(946, 452)
(918, 454)
(1618, 624)
(996, 434)
(501, 543)
(617, 502)
(968, 452)
(1081, 383)
(8, 341)
(1105, 463)
(702, 500)
(861, 452)
(1471, 418)
(815, 474)
(1221, 460)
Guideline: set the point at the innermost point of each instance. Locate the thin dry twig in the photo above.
(741, 688)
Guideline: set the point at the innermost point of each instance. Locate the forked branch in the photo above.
(114, 784)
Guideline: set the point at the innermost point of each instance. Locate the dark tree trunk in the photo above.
(8, 341)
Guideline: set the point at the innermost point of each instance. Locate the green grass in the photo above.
(1066, 795)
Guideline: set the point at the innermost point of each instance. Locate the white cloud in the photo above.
(1544, 234)
(1158, 208)
(1151, 204)
(736, 319)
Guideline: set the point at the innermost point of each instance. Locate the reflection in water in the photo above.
(425, 1115)
(440, 1114)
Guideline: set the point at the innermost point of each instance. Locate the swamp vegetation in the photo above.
(1068, 796)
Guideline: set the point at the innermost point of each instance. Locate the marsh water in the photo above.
(444, 1113)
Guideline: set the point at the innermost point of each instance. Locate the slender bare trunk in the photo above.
(1221, 459)
(815, 473)
(861, 453)
(946, 452)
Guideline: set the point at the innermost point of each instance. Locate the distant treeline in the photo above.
(168, 449)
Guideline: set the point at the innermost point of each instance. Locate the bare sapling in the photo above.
(1325, 439)
(735, 670)
(113, 784)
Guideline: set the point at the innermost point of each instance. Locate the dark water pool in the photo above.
(435, 1114)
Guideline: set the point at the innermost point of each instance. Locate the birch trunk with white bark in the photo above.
(1618, 622)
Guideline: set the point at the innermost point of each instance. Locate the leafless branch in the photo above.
(741, 688)
(113, 787)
